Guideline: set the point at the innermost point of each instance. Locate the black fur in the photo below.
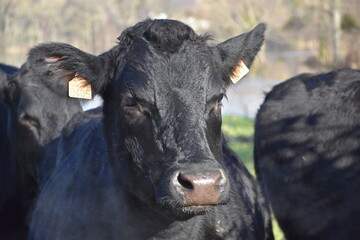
(162, 88)
(307, 145)
(32, 115)
(9, 70)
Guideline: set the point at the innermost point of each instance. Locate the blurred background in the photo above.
(302, 35)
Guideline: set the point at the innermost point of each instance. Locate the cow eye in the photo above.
(129, 102)
(28, 120)
(220, 98)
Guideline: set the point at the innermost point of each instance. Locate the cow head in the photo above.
(38, 109)
(162, 88)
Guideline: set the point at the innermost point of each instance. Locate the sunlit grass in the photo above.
(239, 133)
(236, 126)
(278, 234)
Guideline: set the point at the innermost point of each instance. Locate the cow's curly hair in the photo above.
(164, 35)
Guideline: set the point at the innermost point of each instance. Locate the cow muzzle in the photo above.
(200, 189)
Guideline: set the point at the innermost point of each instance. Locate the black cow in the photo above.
(8, 69)
(153, 164)
(33, 111)
(307, 154)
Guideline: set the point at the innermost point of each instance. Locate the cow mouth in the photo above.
(184, 212)
(187, 210)
(197, 209)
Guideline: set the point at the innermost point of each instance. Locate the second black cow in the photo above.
(307, 154)
(153, 164)
(32, 113)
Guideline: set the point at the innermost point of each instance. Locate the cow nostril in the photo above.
(184, 182)
(199, 187)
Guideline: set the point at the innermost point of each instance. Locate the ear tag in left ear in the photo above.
(240, 70)
(79, 88)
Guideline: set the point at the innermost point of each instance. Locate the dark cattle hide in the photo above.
(31, 118)
(307, 148)
(8, 69)
(153, 164)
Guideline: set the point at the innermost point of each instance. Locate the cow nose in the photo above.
(200, 188)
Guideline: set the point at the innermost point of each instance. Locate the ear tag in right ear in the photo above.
(79, 88)
(240, 70)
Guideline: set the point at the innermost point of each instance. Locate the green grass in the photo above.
(239, 133)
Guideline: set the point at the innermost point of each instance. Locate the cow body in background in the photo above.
(32, 114)
(153, 164)
(7, 169)
(8, 69)
(307, 154)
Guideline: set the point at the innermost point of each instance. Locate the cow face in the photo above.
(164, 113)
(169, 120)
(37, 111)
(162, 88)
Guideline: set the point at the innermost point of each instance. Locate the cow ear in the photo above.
(58, 63)
(237, 54)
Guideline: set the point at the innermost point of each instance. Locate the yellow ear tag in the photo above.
(240, 70)
(79, 88)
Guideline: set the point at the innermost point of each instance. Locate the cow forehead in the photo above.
(191, 71)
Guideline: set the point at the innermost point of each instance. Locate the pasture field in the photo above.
(239, 133)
